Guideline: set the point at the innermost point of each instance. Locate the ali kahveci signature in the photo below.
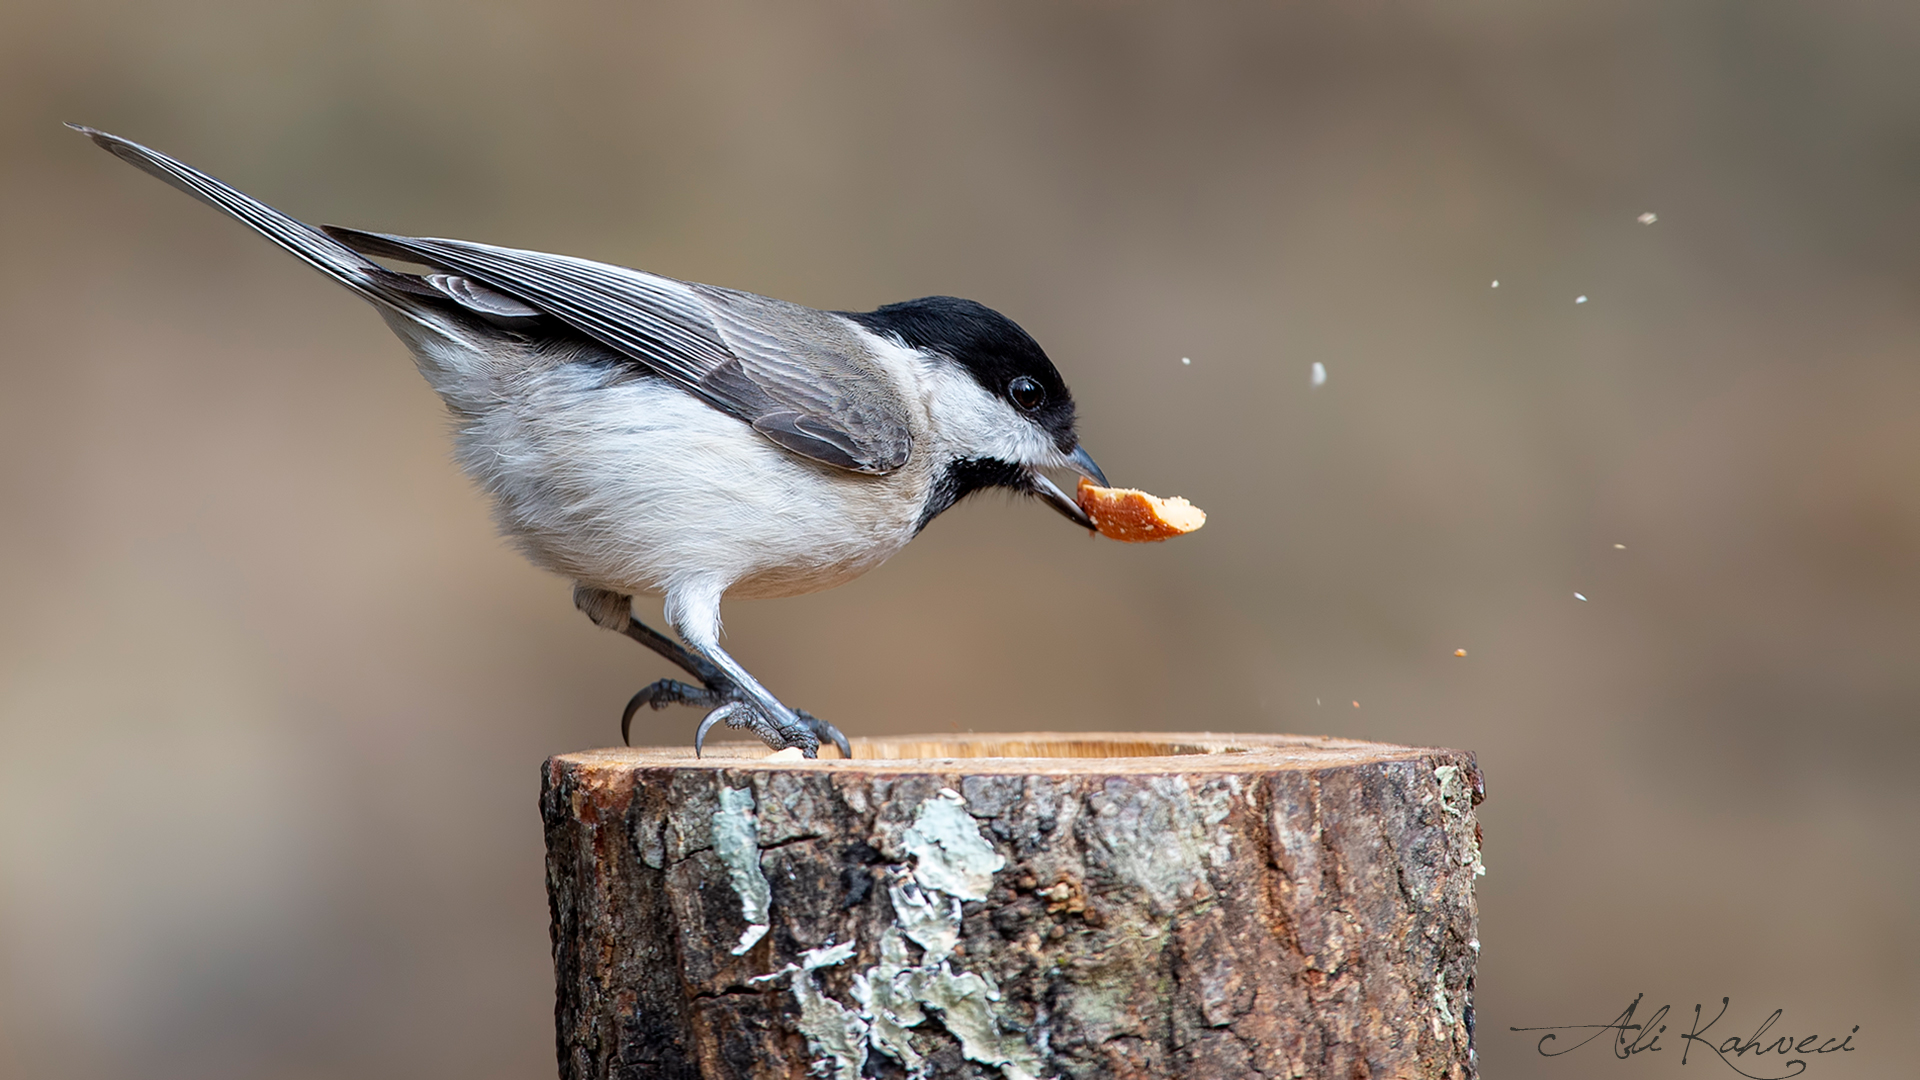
(1632, 1038)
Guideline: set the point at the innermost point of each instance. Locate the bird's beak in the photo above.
(1083, 464)
(1060, 501)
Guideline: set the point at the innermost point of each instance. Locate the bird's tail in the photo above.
(315, 248)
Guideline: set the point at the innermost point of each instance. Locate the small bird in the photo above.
(641, 434)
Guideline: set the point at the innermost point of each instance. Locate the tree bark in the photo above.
(1101, 905)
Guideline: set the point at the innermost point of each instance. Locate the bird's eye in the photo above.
(1026, 393)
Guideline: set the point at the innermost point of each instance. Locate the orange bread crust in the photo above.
(1135, 516)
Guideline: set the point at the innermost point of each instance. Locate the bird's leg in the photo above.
(612, 611)
(694, 611)
(726, 696)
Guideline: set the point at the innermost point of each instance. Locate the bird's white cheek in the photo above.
(968, 422)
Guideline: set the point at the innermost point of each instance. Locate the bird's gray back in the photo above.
(804, 379)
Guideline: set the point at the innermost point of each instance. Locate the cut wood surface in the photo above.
(1017, 906)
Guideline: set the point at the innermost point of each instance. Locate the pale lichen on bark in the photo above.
(736, 840)
(951, 862)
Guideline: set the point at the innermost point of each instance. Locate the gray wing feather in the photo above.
(830, 398)
(800, 377)
(478, 298)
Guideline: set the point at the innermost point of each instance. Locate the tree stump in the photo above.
(1016, 906)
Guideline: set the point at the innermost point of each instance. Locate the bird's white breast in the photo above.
(632, 484)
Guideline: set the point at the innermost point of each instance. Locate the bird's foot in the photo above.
(742, 714)
(717, 692)
(806, 735)
(667, 692)
(730, 706)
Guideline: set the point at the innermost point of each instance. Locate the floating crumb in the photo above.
(1319, 376)
(1619, 547)
(1186, 361)
(1648, 218)
(1496, 284)
(1579, 299)
(1356, 704)
(1580, 598)
(1459, 652)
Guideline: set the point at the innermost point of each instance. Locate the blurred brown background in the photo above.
(273, 697)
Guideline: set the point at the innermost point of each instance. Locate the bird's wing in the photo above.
(800, 377)
(824, 394)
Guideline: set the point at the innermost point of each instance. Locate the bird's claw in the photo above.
(730, 712)
(824, 730)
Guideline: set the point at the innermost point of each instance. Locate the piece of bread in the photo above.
(1135, 516)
